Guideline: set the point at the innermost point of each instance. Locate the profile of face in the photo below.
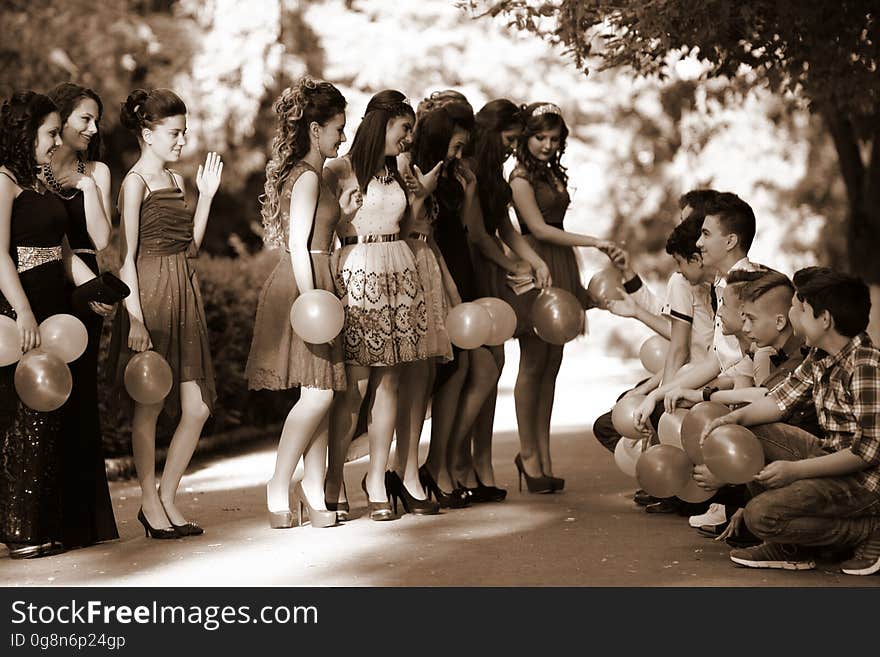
(330, 136)
(167, 138)
(810, 328)
(691, 268)
(730, 312)
(48, 138)
(398, 135)
(713, 242)
(82, 125)
(544, 144)
(510, 138)
(762, 321)
(456, 144)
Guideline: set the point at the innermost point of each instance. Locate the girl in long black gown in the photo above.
(83, 183)
(33, 286)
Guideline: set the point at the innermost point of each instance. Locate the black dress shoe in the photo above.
(643, 498)
(667, 505)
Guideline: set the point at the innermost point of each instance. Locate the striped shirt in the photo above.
(845, 389)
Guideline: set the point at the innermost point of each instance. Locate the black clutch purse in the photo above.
(104, 288)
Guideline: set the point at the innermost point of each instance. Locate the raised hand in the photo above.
(625, 307)
(74, 180)
(427, 182)
(466, 177)
(208, 175)
(351, 199)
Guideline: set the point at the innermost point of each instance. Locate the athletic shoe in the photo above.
(866, 560)
(773, 555)
(716, 515)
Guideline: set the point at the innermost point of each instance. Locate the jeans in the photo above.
(835, 511)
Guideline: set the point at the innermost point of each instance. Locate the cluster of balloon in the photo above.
(606, 285)
(733, 454)
(623, 417)
(557, 316)
(664, 470)
(469, 325)
(148, 378)
(693, 424)
(317, 316)
(653, 353)
(503, 320)
(669, 427)
(627, 453)
(65, 336)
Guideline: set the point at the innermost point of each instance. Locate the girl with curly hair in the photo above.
(35, 265)
(300, 213)
(164, 312)
(540, 198)
(377, 279)
(82, 181)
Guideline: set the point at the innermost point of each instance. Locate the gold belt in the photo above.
(315, 251)
(422, 237)
(34, 256)
(369, 239)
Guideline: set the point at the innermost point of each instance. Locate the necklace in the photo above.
(56, 186)
(385, 178)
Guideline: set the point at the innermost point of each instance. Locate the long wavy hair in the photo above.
(66, 97)
(488, 153)
(367, 151)
(297, 107)
(536, 169)
(146, 109)
(20, 118)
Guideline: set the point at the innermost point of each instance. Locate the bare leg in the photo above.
(444, 408)
(483, 429)
(545, 406)
(343, 421)
(532, 361)
(315, 465)
(297, 434)
(194, 413)
(143, 447)
(416, 379)
(482, 380)
(383, 416)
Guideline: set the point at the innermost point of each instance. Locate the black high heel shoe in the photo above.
(457, 499)
(397, 489)
(483, 493)
(342, 508)
(558, 482)
(540, 484)
(317, 517)
(378, 510)
(186, 529)
(152, 532)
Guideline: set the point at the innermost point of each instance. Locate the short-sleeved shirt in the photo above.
(845, 389)
(726, 347)
(692, 304)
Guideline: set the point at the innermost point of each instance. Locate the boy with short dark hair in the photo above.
(819, 491)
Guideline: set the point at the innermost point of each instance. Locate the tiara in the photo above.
(546, 108)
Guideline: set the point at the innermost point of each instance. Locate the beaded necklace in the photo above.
(387, 178)
(53, 183)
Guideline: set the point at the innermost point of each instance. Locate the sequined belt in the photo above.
(422, 237)
(369, 239)
(34, 256)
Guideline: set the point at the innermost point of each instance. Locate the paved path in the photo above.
(589, 535)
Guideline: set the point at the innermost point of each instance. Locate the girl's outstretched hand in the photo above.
(208, 176)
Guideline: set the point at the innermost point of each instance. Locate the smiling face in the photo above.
(456, 144)
(330, 135)
(167, 138)
(730, 312)
(398, 135)
(691, 269)
(544, 144)
(510, 138)
(810, 328)
(81, 125)
(48, 138)
(714, 243)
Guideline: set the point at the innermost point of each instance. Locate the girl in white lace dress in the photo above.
(378, 282)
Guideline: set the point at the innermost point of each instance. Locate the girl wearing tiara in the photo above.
(541, 199)
(164, 312)
(300, 213)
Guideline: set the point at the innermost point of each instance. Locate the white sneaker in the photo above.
(714, 516)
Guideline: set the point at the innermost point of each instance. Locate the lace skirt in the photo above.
(436, 300)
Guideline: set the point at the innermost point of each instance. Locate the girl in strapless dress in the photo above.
(300, 213)
(378, 282)
(164, 312)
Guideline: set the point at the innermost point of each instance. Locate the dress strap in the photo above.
(141, 177)
(15, 182)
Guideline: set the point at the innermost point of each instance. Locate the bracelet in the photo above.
(708, 391)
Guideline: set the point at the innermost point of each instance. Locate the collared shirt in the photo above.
(642, 295)
(726, 347)
(690, 303)
(845, 389)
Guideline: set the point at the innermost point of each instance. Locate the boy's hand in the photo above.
(714, 424)
(705, 479)
(778, 474)
(642, 415)
(670, 401)
(732, 529)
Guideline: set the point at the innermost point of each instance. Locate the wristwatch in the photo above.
(708, 391)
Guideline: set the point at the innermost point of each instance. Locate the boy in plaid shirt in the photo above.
(819, 491)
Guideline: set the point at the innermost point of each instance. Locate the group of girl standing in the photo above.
(419, 206)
